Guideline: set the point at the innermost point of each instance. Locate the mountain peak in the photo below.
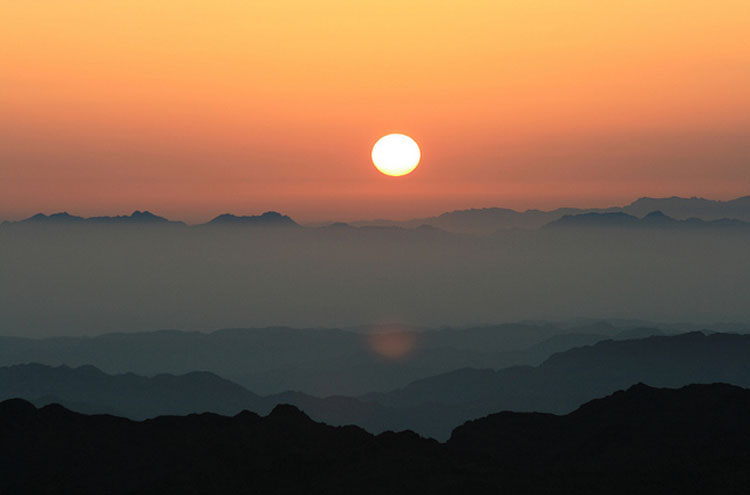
(62, 216)
(683, 208)
(657, 217)
(16, 407)
(146, 216)
(268, 218)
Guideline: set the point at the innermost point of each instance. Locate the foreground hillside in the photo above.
(644, 440)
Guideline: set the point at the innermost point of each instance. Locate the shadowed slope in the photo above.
(644, 440)
(690, 440)
(570, 378)
(53, 449)
(317, 361)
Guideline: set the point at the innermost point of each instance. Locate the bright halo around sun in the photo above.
(396, 154)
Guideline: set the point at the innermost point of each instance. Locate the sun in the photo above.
(396, 154)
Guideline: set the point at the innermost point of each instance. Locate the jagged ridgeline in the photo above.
(643, 440)
(477, 221)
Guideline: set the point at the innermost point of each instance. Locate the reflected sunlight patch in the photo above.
(392, 344)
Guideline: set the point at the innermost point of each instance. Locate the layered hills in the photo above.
(317, 361)
(431, 406)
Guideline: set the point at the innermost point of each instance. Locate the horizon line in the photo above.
(377, 219)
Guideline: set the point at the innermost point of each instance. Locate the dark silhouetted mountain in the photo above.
(267, 219)
(137, 217)
(54, 450)
(644, 440)
(64, 218)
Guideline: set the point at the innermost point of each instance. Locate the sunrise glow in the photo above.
(193, 109)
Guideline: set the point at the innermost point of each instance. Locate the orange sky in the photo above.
(194, 108)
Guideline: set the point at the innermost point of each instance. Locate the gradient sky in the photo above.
(194, 108)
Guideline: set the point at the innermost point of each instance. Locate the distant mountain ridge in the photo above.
(490, 220)
(684, 208)
(692, 440)
(654, 220)
(473, 221)
(137, 217)
(269, 218)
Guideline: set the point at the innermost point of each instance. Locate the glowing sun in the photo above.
(396, 154)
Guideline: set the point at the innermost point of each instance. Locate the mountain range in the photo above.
(569, 378)
(473, 221)
(490, 220)
(642, 440)
(317, 361)
(135, 218)
(267, 219)
(75, 277)
(431, 407)
(654, 220)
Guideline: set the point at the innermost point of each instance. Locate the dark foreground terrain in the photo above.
(644, 440)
